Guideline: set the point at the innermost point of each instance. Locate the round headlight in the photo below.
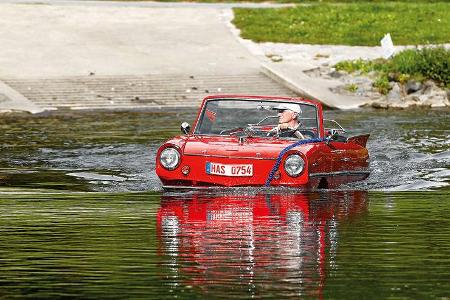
(169, 158)
(294, 164)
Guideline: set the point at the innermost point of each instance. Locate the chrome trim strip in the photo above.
(183, 187)
(231, 188)
(340, 173)
(224, 156)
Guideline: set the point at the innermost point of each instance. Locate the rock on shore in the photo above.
(409, 94)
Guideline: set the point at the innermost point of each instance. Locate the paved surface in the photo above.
(40, 40)
(74, 54)
(140, 92)
(10, 99)
(145, 3)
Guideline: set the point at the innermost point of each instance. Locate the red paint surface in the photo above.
(240, 237)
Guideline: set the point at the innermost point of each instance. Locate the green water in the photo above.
(83, 215)
(409, 150)
(366, 245)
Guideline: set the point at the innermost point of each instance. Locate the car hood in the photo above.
(259, 148)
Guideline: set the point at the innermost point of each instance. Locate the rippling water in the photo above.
(82, 215)
(409, 150)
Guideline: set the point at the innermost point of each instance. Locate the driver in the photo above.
(287, 120)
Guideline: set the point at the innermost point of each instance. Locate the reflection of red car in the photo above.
(235, 141)
(290, 238)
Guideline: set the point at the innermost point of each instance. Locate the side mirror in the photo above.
(185, 128)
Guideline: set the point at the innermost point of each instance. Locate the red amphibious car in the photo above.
(237, 141)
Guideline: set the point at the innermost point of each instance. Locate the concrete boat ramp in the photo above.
(121, 55)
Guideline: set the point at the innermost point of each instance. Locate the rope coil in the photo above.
(283, 152)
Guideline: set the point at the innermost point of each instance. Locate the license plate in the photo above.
(229, 170)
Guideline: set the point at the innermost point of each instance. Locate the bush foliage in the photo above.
(429, 63)
(432, 63)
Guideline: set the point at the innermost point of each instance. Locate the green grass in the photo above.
(361, 23)
(280, 1)
(374, 1)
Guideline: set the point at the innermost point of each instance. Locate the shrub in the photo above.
(382, 84)
(430, 62)
(405, 62)
(436, 64)
(402, 78)
(419, 64)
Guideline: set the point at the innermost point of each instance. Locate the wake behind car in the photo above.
(261, 141)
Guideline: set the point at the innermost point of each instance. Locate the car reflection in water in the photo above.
(255, 240)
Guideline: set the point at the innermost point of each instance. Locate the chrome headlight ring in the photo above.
(170, 158)
(294, 165)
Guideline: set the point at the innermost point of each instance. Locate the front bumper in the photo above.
(197, 177)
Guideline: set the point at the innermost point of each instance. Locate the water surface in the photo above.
(242, 244)
(409, 150)
(82, 214)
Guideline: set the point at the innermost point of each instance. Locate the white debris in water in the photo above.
(97, 177)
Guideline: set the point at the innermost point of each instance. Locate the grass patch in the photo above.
(360, 23)
(281, 1)
(431, 63)
(352, 87)
(374, 1)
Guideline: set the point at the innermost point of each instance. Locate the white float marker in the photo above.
(387, 46)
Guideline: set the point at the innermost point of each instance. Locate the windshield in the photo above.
(255, 118)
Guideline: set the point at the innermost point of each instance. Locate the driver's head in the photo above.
(287, 112)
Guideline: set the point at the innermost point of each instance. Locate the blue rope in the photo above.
(283, 152)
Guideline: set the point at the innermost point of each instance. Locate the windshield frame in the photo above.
(202, 111)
